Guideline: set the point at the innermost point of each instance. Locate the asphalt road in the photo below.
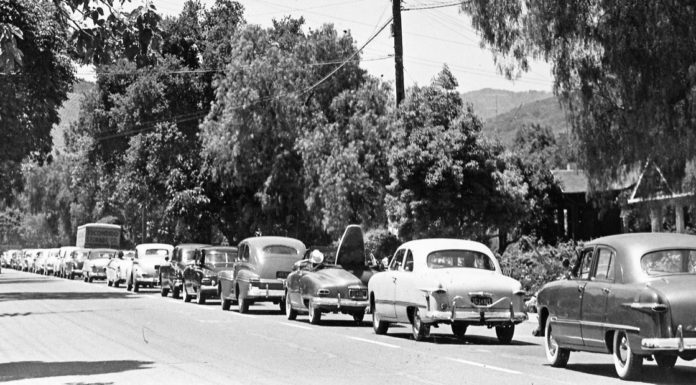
(54, 331)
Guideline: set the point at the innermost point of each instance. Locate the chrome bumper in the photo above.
(338, 303)
(208, 289)
(258, 293)
(152, 280)
(678, 343)
(475, 313)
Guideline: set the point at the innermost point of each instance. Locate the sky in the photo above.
(431, 38)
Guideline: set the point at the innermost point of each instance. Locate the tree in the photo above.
(624, 70)
(31, 94)
(446, 179)
(345, 162)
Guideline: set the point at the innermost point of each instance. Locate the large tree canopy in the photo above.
(626, 70)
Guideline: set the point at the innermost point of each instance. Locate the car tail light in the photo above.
(322, 292)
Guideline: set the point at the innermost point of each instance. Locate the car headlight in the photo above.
(212, 282)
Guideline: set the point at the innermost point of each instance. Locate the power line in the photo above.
(433, 6)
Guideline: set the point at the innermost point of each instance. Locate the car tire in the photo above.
(289, 311)
(243, 305)
(628, 365)
(556, 355)
(85, 277)
(419, 329)
(505, 333)
(200, 298)
(117, 282)
(459, 329)
(175, 293)
(314, 314)
(380, 327)
(187, 296)
(358, 317)
(136, 287)
(164, 291)
(109, 283)
(91, 279)
(281, 305)
(224, 302)
(666, 361)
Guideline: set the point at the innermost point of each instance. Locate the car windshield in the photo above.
(677, 261)
(280, 249)
(155, 253)
(220, 256)
(188, 255)
(459, 258)
(102, 254)
(79, 255)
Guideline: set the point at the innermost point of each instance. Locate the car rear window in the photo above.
(156, 252)
(280, 249)
(102, 254)
(443, 259)
(674, 261)
(220, 256)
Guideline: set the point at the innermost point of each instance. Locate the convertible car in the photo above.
(172, 273)
(321, 283)
(629, 295)
(451, 281)
(260, 272)
(200, 277)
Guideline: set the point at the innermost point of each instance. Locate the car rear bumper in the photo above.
(147, 280)
(338, 304)
(481, 315)
(263, 294)
(676, 344)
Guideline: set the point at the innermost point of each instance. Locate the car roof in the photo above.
(271, 240)
(642, 243)
(146, 246)
(422, 247)
(211, 247)
(191, 245)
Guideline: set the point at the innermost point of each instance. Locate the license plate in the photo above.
(481, 301)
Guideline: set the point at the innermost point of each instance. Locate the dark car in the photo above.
(259, 274)
(330, 281)
(629, 295)
(172, 273)
(200, 277)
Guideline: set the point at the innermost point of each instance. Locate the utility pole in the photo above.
(398, 51)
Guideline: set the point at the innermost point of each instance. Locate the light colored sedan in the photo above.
(144, 270)
(450, 281)
(95, 264)
(116, 268)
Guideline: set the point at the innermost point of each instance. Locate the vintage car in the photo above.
(39, 265)
(201, 276)
(144, 269)
(451, 281)
(117, 266)
(65, 258)
(52, 263)
(260, 272)
(74, 262)
(171, 273)
(325, 280)
(629, 295)
(94, 266)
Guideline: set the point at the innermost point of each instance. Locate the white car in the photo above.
(94, 266)
(52, 262)
(144, 270)
(451, 281)
(117, 267)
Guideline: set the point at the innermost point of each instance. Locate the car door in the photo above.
(293, 282)
(404, 287)
(568, 301)
(388, 308)
(595, 299)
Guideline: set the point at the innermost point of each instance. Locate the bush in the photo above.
(534, 264)
(381, 243)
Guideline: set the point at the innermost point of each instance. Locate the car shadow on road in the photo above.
(338, 323)
(24, 296)
(651, 373)
(29, 280)
(22, 370)
(445, 339)
(261, 312)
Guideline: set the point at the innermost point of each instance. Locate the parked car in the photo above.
(171, 273)
(74, 262)
(450, 281)
(64, 257)
(322, 282)
(117, 266)
(200, 277)
(39, 265)
(16, 259)
(629, 295)
(28, 259)
(144, 269)
(51, 265)
(259, 274)
(94, 266)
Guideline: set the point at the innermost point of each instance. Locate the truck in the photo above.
(98, 236)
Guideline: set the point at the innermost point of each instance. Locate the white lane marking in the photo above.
(297, 326)
(480, 365)
(375, 342)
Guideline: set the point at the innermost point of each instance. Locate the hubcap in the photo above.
(623, 349)
(551, 342)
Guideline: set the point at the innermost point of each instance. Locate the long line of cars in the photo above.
(628, 295)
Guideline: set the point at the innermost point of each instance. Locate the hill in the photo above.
(489, 102)
(545, 112)
(68, 113)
